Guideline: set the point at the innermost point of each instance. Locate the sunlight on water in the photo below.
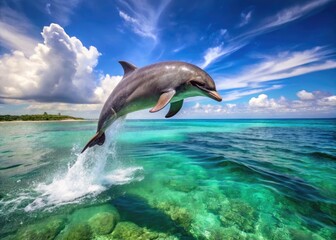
(87, 177)
(181, 179)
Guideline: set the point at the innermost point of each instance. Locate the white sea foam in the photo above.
(87, 177)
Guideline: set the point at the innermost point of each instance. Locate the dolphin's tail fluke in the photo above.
(99, 139)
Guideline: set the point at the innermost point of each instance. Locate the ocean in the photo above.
(169, 179)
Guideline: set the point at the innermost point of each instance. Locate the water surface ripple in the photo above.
(187, 179)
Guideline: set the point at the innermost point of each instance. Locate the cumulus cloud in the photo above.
(61, 69)
(304, 95)
(262, 101)
(107, 84)
(317, 103)
(327, 101)
(323, 105)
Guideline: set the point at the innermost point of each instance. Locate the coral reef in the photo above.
(178, 214)
(239, 214)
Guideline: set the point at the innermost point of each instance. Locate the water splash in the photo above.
(87, 177)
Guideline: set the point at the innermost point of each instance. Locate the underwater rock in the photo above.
(49, 229)
(80, 231)
(82, 215)
(103, 223)
(129, 230)
(239, 214)
(86, 222)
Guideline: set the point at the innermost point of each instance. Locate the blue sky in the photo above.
(268, 59)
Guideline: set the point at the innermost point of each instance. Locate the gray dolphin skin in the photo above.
(153, 86)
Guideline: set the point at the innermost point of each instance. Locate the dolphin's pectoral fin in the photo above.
(99, 139)
(128, 67)
(174, 108)
(163, 101)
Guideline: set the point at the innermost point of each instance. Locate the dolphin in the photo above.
(153, 86)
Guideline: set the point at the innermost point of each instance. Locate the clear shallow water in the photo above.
(170, 179)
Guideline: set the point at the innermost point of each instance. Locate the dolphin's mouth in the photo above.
(210, 93)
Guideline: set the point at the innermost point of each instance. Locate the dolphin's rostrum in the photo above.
(153, 86)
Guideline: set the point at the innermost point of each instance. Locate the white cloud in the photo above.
(61, 10)
(128, 18)
(245, 18)
(107, 84)
(180, 48)
(318, 103)
(236, 94)
(270, 24)
(211, 54)
(213, 109)
(14, 28)
(59, 70)
(327, 101)
(304, 95)
(284, 17)
(256, 77)
(264, 106)
(142, 17)
(223, 32)
(64, 107)
(262, 101)
(214, 53)
(47, 8)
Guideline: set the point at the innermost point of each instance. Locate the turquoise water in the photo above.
(169, 179)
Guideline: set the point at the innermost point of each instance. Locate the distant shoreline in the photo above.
(45, 117)
(63, 120)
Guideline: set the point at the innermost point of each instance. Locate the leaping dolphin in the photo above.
(153, 86)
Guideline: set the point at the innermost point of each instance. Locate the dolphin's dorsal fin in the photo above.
(128, 67)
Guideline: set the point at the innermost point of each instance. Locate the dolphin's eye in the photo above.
(195, 83)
